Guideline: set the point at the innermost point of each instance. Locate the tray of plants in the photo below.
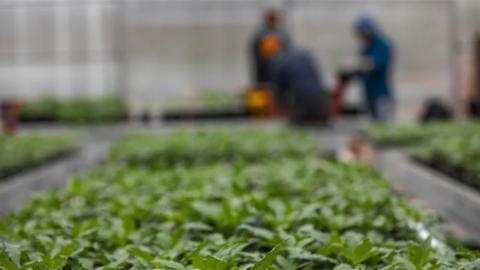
(450, 147)
(16, 189)
(436, 166)
(23, 152)
(208, 105)
(104, 109)
(456, 156)
(457, 203)
(213, 200)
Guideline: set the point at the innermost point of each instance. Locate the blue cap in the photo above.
(366, 23)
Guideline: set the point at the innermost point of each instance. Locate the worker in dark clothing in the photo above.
(259, 64)
(297, 83)
(373, 65)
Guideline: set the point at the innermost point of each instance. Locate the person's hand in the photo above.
(349, 64)
(357, 64)
(366, 64)
(344, 76)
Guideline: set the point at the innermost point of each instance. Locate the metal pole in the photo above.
(62, 49)
(454, 49)
(121, 47)
(95, 48)
(288, 15)
(21, 44)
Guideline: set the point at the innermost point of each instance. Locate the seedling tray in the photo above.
(457, 173)
(19, 188)
(51, 119)
(4, 175)
(37, 119)
(455, 201)
(206, 114)
(219, 114)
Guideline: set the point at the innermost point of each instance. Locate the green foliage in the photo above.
(453, 146)
(207, 99)
(455, 153)
(92, 110)
(23, 151)
(407, 135)
(187, 147)
(45, 107)
(286, 210)
(109, 108)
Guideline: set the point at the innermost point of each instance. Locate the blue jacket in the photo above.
(295, 71)
(377, 83)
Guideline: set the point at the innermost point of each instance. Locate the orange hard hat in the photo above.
(270, 46)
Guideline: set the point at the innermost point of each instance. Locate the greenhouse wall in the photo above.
(148, 49)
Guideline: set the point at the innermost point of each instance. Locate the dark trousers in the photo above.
(381, 109)
(310, 108)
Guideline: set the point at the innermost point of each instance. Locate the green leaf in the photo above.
(214, 263)
(196, 252)
(14, 252)
(198, 262)
(6, 231)
(427, 243)
(57, 262)
(31, 266)
(390, 266)
(436, 266)
(141, 254)
(86, 263)
(260, 232)
(231, 251)
(301, 254)
(128, 224)
(76, 186)
(170, 264)
(362, 251)
(68, 250)
(348, 254)
(467, 253)
(197, 226)
(264, 263)
(343, 267)
(165, 240)
(419, 256)
(7, 263)
(408, 265)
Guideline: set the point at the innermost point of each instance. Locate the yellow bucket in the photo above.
(258, 99)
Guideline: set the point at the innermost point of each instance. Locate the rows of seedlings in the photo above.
(224, 199)
(22, 152)
(451, 147)
(416, 135)
(105, 109)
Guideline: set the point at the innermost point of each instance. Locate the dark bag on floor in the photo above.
(435, 110)
(474, 109)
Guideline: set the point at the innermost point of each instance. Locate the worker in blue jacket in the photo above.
(297, 82)
(373, 65)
